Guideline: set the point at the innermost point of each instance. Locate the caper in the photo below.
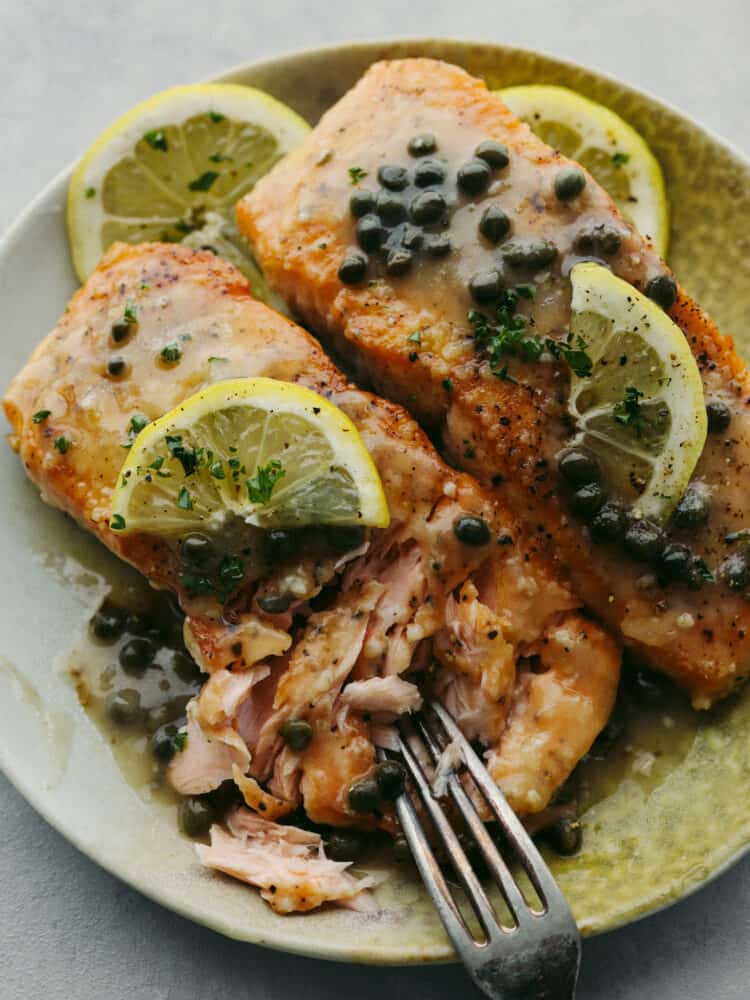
(162, 743)
(587, 499)
(675, 561)
(364, 795)
(494, 153)
(429, 173)
(344, 845)
(692, 510)
(698, 575)
(197, 549)
(437, 245)
(485, 286)
(353, 268)
(599, 239)
(393, 176)
(609, 241)
(474, 176)
(137, 655)
(361, 203)
(609, 523)
(344, 539)
(663, 291)
(281, 545)
(532, 255)
(398, 261)
(116, 366)
(370, 233)
(471, 530)
(401, 850)
(390, 208)
(578, 466)
(494, 224)
(422, 145)
(412, 238)
(166, 711)
(185, 667)
(121, 330)
(735, 570)
(124, 706)
(275, 604)
(428, 207)
(390, 776)
(644, 539)
(719, 415)
(569, 183)
(108, 623)
(565, 836)
(297, 734)
(196, 816)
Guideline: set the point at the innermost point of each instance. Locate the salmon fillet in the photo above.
(409, 336)
(407, 602)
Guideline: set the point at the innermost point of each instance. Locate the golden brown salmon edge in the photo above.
(418, 229)
(325, 637)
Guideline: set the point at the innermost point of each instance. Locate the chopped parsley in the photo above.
(62, 444)
(156, 139)
(447, 385)
(216, 116)
(179, 741)
(703, 571)
(220, 158)
(628, 410)
(215, 357)
(261, 485)
(572, 350)
(40, 416)
(157, 463)
(136, 425)
(170, 354)
(415, 338)
(185, 455)
(230, 575)
(216, 469)
(184, 500)
(129, 316)
(357, 174)
(231, 572)
(117, 522)
(742, 535)
(204, 182)
(505, 335)
(89, 192)
(620, 159)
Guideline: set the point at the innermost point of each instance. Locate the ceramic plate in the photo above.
(665, 814)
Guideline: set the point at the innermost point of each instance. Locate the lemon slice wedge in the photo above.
(641, 411)
(173, 168)
(610, 149)
(273, 454)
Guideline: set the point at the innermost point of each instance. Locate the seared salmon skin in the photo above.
(451, 597)
(420, 198)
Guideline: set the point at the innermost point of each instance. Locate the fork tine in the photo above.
(460, 862)
(524, 847)
(492, 856)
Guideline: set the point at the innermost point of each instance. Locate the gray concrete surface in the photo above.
(68, 930)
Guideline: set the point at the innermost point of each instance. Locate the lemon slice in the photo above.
(172, 169)
(641, 411)
(610, 149)
(272, 453)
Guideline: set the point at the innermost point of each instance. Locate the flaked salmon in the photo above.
(368, 617)
(476, 206)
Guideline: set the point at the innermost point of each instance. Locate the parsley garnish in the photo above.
(737, 536)
(703, 571)
(136, 425)
(447, 385)
(231, 572)
(89, 192)
(573, 350)
(260, 486)
(220, 158)
(40, 416)
(230, 576)
(505, 335)
(62, 444)
(415, 338)
(157, 463)
(215, 357)
(620, 159)
(186, 456)
(204, 182)
(196, 585)
(179, 741)
(170, 354)
(215, 116)
(217, 470)
(184, 500)
(628, 410)
(357, 174)
(129, 316)
(156, 139)
(117, 522)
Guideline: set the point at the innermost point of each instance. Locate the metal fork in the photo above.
(536, 955)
